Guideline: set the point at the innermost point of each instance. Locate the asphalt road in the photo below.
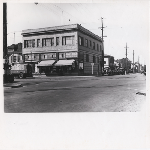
(77, 94)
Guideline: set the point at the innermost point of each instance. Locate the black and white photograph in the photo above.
(76, 58)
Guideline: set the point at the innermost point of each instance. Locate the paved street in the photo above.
(77, 94)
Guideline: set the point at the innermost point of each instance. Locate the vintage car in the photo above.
(107, 71)
(121, 71)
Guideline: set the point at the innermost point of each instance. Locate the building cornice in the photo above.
(63, 28)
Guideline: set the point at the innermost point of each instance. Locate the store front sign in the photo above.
(72, 55)
(31, 57)
(10, 50)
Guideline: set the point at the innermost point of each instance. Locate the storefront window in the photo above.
(80, 65)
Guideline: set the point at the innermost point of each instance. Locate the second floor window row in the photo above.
(89, 44)
(66, 40)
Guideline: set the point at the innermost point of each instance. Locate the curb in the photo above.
(14, 85)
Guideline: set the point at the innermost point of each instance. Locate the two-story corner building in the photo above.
(15, 53)
(68, 49)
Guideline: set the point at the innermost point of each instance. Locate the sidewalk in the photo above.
(12, 85)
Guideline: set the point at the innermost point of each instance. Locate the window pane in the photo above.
(69, 41)
(33, 43)
(57, 40)
(52, 41)
(38, 42)
(63, 40)
(79, 40)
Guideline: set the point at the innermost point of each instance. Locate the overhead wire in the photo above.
(49, 9)
(67, 12)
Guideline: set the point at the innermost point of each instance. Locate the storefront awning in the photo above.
(46, 63)
(64, 62)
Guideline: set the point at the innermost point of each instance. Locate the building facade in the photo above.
(14, 53)
(66, 50)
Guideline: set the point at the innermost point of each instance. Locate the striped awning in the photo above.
(46, 63)
(64, 62)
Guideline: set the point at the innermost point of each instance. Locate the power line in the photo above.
(66, 12)
(49, 9)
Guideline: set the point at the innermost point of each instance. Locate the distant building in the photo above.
(122, 63)
(108, 61)
(15, 53)
(68, 49)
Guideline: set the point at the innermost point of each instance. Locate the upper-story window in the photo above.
(57, 41)
(68, 40)
(29, 43)
(87, 57)
(94, 60)
(48, 42)
(97, 59)
(93, 45)
(97, 47)
(90, 43)
(100, 48)
(81, 41)
(14, 58)
(38, 42)
(86, 42)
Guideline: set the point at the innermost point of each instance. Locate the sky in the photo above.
(124, 22)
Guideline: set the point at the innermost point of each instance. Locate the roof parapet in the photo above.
(59, 29)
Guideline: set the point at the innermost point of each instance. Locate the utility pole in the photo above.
(138, 65)
(62, 21)
(126, 58)
(14, 37)
(4, 30)
(7, 77)
(133, 61)
(102, 28)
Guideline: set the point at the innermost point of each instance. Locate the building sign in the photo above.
(48, 56)
(32, 57)
(10, 50)
(71, 55)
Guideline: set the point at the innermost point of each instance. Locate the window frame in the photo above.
(94, 60)
(57, 41)
(38, 42)
(94, 45)
(29, 43)
(64, 40)
(90, 43)
(86, 42)
(97, 47)
(81, 41)
(87, 57)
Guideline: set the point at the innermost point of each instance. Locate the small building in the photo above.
(67, 50)
(108, 61)
(15, 53)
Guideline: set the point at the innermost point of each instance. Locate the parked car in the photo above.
(121, 71)
(142, 71)
(107, 71)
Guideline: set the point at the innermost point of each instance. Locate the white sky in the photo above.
(126, 21)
